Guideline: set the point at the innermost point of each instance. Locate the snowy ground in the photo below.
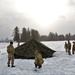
(60, 64)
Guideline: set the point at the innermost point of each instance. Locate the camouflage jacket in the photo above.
(38, 59)
(10, 49)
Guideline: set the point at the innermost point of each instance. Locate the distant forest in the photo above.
(27, 34)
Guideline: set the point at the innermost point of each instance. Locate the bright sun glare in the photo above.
(44, 12)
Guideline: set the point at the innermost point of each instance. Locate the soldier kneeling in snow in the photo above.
(38, 60)
(10, 51)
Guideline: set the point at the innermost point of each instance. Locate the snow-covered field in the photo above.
(60, 64)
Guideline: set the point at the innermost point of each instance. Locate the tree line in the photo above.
(28, 34)
(25, 35)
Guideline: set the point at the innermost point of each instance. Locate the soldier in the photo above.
(69, 47)
(38, 60)
(73, 48)
(66, 46)
(10, 51)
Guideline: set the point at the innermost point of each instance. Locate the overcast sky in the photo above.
(42, 15)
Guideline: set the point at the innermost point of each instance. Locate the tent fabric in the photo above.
(27, 50)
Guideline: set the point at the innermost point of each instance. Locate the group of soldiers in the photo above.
(38, 57)
(10, 50)
(68, 47)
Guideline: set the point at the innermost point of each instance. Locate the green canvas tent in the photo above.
(27, 50)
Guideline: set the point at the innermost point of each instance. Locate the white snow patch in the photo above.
(60, 64)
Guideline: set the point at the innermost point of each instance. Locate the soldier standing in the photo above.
(69, 47)
(66, 46)
(73, 48)
(10, 51)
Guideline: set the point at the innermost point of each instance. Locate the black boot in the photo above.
(12, 66)
(8, 65)
(39, 66)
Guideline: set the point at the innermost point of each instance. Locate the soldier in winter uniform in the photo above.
(10, 51)
(69, 47)
(38, 60)
(66, 46)
(73, 48)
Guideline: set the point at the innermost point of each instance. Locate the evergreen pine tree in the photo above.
(16, 34)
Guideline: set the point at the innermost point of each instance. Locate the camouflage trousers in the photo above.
(10, 59)
(69, 51)
(73, 51)
(66, 49)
